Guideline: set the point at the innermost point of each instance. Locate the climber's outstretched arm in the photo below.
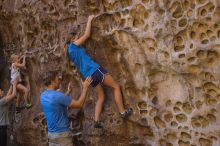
(87, 33)
(20, 65)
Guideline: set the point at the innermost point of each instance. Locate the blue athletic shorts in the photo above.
(98, 76)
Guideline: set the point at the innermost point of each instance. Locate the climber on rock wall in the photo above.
(16, 76)
(55, 105)
(76, 53)
(4, 112)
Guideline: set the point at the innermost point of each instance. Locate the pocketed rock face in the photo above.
(164, 54)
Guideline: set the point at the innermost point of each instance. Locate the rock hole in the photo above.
(191, 59)
(192, 35)
(66, 2)
(195, 123)
(142, 105)
(182, 22)
(181, 118)
(201, 54)
(212, 93)
(179, 48)
(211, 118)
(183, 143)
(155, 100)
(185, 136)
(179, 40)
(151, 49)
(210, 100)
(72, 7)
(159, 123)
(168, 117)
(205, 142)
(187, 108)
(209, 33)
(168, 103)
(178, 103)
(143, 112)
(212, 54)
(202, 36)
(153, 112)
(166, 55)
(182, 56)
(176, 109)
(203, 12)
(174, 124)
(177, 14)
(205, 41)
(171, 136)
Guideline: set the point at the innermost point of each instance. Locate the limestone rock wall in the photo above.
(164, 54)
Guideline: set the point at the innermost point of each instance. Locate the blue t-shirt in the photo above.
(82, 60)
(54, 105)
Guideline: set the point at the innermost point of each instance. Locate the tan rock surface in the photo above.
(164, 54)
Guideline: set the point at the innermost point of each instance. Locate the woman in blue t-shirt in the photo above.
(88, 67)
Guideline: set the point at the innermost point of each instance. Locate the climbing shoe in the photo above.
(126, 113)
(28, 105)
(97, 124)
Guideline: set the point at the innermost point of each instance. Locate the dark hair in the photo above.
(70, 35)
(68, 41)
(49, 76)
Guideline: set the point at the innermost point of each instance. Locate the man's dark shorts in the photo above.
(3, 135)
(98, 76)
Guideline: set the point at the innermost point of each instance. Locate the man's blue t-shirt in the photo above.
(82, 60)
(54, 105)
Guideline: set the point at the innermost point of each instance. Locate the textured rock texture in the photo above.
(164, 54)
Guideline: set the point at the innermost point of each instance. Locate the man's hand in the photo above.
(79, 103)
(70, 87)
(24, 57)
(87, 82)
(90, 18)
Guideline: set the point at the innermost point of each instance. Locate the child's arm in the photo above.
(87, 33)
(20, 65)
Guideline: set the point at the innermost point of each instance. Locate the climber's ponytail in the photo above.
(67, 61)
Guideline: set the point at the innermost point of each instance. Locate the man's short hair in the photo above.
(49, 76)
